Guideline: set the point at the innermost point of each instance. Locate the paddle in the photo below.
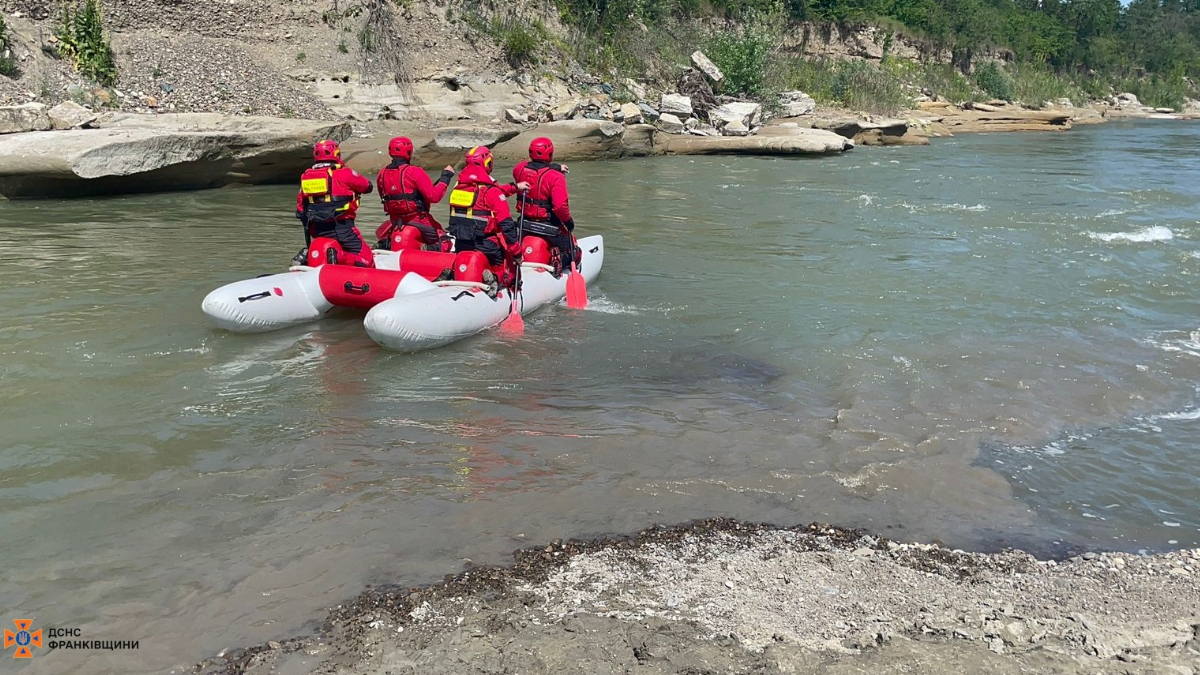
(514, 324)
(576, 286)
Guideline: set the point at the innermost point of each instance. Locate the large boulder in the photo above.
(735, 128)
(71, 115)
(676, 104)
(780, 141)
(16, 119)
(573, 140)
(710, 69)
(565, 111)
(1128, 100)
(739, 111)
(147, 153)
(631, 113)
(670, 124)
(796, 104)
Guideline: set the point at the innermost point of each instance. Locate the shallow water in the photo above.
(991, 341)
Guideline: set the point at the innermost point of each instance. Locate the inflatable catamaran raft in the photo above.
(408, 311)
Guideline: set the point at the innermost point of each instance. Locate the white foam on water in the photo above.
(1113, 212)
(866, 200)
(927, 208)
(1180, 416)
(1144, 235)
(605, 306)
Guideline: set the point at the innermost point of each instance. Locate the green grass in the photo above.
(1158, 92)
(1036, 85)
(876, 89)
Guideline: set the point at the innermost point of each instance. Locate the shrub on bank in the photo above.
(992, 79)
(744, 58)
(80, 34)
(1170, 91)
(8, 65)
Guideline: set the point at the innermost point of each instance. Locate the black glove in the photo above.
(446, 177)
(570, 225)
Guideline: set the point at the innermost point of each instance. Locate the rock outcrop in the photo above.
(139, 153)
(875, 132)
(769, 141)
(1008, 118)
(580, 139)
(17, 119)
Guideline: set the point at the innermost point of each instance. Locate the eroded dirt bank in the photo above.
(720, 596)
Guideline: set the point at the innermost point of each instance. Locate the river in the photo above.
(989, 342)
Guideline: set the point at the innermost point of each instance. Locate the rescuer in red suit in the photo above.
(546, 207)
(328, 202)
(407, 194)
(480, 219)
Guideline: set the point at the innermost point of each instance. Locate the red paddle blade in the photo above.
(513, 324)
(576, 289)
(382, 230)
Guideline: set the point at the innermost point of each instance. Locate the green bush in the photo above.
(8, 65)
(1158, 91)
(519, 42)
(992, 79)
(80, 34)
(744, 57)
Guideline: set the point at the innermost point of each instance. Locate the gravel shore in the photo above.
(721, 596)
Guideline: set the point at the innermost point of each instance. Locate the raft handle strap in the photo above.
(351, 288)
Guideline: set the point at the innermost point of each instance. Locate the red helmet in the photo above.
(541, 149)
(480, 156)
(401, 147)
(327, 151)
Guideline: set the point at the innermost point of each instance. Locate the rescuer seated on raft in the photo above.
(546, 208)
(407, 194)
(328, 202)
(486, 236)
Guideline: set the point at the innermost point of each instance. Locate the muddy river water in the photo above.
(992, 341)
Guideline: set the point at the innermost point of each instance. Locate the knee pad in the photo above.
(408, 238)
(319, 251)
(535, 249)
(469, 266)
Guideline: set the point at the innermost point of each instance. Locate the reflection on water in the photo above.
(987, 342)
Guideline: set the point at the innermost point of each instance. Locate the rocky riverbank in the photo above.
(720, 596)
(188, 113)
(73, 150)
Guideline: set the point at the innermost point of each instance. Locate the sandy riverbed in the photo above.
(720, 596)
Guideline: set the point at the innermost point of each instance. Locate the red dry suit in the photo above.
(407, 194)
(328, 202)
(546, 208)
(480, 219)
